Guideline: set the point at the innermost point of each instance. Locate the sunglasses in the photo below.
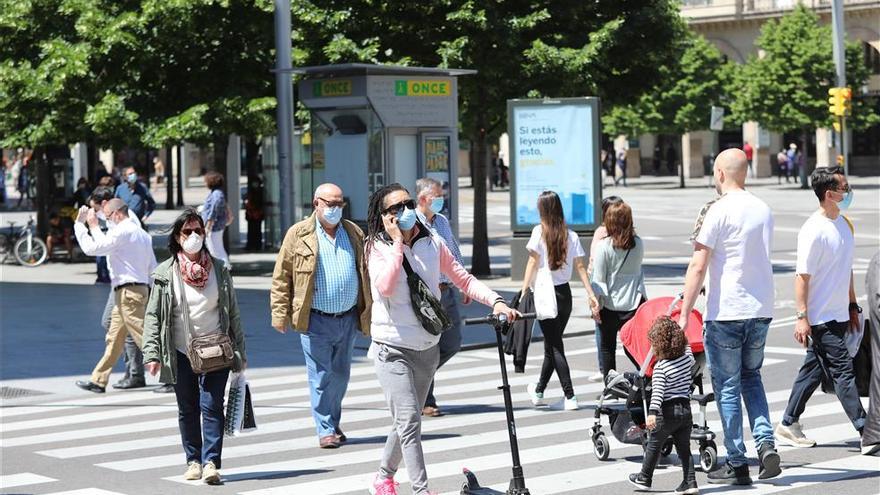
(331, 204)
(844, 189)
(411, 204)
(189, 232)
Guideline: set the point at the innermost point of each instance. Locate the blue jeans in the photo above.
(200, 411)
(327, 348)
(827, 354)
(735, 352)
(450, 341)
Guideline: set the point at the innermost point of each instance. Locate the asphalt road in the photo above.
(62, 440)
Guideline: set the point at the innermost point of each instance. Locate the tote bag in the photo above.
(545, 295)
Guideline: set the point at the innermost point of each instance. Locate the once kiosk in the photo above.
(374, 125)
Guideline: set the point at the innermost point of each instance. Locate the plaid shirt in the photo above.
(336, 280)
(441, 228)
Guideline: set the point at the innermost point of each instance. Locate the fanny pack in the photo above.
(206, 353)
(427, 308)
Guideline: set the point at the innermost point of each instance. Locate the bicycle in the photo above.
(27, 249)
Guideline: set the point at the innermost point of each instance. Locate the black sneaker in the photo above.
(639, 481)
(769, 462)
(687, 488)
(729, 475)
(165, 388)
(90, 386)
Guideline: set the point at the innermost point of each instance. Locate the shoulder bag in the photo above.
(427, 308)
(206, 353)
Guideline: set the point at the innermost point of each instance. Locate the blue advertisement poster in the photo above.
(553, 147)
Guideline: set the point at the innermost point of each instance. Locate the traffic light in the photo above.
(840, 101)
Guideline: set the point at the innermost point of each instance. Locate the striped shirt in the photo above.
(671, 380)
(336, 280)
(441, 228)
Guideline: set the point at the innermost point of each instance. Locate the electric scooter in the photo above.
(518, 482)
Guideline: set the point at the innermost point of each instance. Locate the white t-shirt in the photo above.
(738, 228)
(575, 250)
(825, 253)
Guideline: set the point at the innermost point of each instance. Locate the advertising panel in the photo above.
(554, 145)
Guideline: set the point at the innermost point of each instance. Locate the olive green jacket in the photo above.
(159, 318)
(293, 281)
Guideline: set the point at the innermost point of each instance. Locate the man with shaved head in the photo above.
(320, 287)
(129, 251)
(732, 241)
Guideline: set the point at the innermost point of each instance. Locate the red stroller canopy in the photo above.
(634, 334)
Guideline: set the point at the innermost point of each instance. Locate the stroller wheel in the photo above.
(709, 457)
(601, 447)
(667, 448)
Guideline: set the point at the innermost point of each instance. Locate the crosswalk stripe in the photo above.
(615, 472)
(23, 479)
(87, 491)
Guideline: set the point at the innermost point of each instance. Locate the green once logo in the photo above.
(400, 88)
(340, 87)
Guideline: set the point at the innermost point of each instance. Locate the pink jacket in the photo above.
(393, 319)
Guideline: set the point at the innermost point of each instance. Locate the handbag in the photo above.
(206, 353)
(545, 295)
(427, 308)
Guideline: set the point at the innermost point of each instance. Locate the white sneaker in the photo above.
(570, 404)
(598, 377)
(792, 435)
(536, 397)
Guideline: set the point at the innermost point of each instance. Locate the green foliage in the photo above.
(682, 99)
(786, 88)
(134, 71)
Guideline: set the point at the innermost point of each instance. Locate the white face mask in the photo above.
(110, 223)
(101, 216)
(193, 243)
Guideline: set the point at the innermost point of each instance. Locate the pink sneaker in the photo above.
(384, 486)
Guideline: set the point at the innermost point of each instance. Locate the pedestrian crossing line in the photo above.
(616, 472)
(812, 474)
(371, 384)
(23, 479)
(791, 351)
(262, 412)
(87, 491)
(365, 369)
(535, 455)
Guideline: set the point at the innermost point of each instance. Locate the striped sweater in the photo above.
(671, 380)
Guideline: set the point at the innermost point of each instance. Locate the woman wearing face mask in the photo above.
(405, 354)
(195, 283)
(216, 216)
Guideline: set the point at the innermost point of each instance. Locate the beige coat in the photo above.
(293, 282)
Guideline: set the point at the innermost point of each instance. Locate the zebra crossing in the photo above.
(127, 443)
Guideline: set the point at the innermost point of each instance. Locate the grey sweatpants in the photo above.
(405, 376)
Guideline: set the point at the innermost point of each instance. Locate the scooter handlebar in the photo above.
(496, 319)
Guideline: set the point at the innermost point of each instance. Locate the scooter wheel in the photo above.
(601, 447)
(709, 458)
(667, 448)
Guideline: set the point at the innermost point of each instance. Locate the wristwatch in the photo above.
(855, 307)
(801, 315)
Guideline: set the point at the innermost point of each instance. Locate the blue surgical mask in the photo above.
(406, 219)
(847, 200)
(437, 205)
(132, 178)
(332, 214)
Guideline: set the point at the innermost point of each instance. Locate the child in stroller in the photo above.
(629, 393)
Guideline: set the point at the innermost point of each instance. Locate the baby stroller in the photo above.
(631, 392)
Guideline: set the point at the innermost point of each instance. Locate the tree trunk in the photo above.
(181, 174)
(40, 166)
(802, 170)
(169, 179)
(480, 263)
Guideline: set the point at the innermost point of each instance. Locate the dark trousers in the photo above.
(102, 268)
(606, 336)
(255, 235)
(200, 411)
(674, 421)
(828, 352)
(554, 350)
(450, 340)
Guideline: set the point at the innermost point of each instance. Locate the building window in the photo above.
(872, 58)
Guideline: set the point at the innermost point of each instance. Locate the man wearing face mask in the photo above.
(430, 204)
(136, 195)
(320, 287)
(130, 255)
(825, 299)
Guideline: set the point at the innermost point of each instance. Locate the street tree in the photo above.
(785, 87)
